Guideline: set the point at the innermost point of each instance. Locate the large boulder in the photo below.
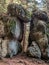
(42, 15)
(14, 27)
(38, 29)
(13, 48)
(23, 11)
(34, 50)
(17, 10)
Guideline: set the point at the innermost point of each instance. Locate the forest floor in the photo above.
(22, 60)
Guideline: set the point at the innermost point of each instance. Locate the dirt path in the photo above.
(21, 60)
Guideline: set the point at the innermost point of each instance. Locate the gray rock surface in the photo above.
(47, 51)
(13, 47)
(14, 26)
(17, 30)
(34, 50)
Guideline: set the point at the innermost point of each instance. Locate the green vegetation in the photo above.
(12, 25)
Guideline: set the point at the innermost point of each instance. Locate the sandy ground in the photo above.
(22, 60)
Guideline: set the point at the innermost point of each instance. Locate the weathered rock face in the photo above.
(13, 48)
(38, 34)
(43, 43)
(15, 27)
(10, 25)
(32, 5)
(19, 11)
(41, 26)
(39, 29)
(47, 31)
(21, 14)
(29, 6)
(3, 47)
(41, 40)
(2, 32)
(34, 50)
(23, 11)
(47, 52)
(42, 15)
(13, 8)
